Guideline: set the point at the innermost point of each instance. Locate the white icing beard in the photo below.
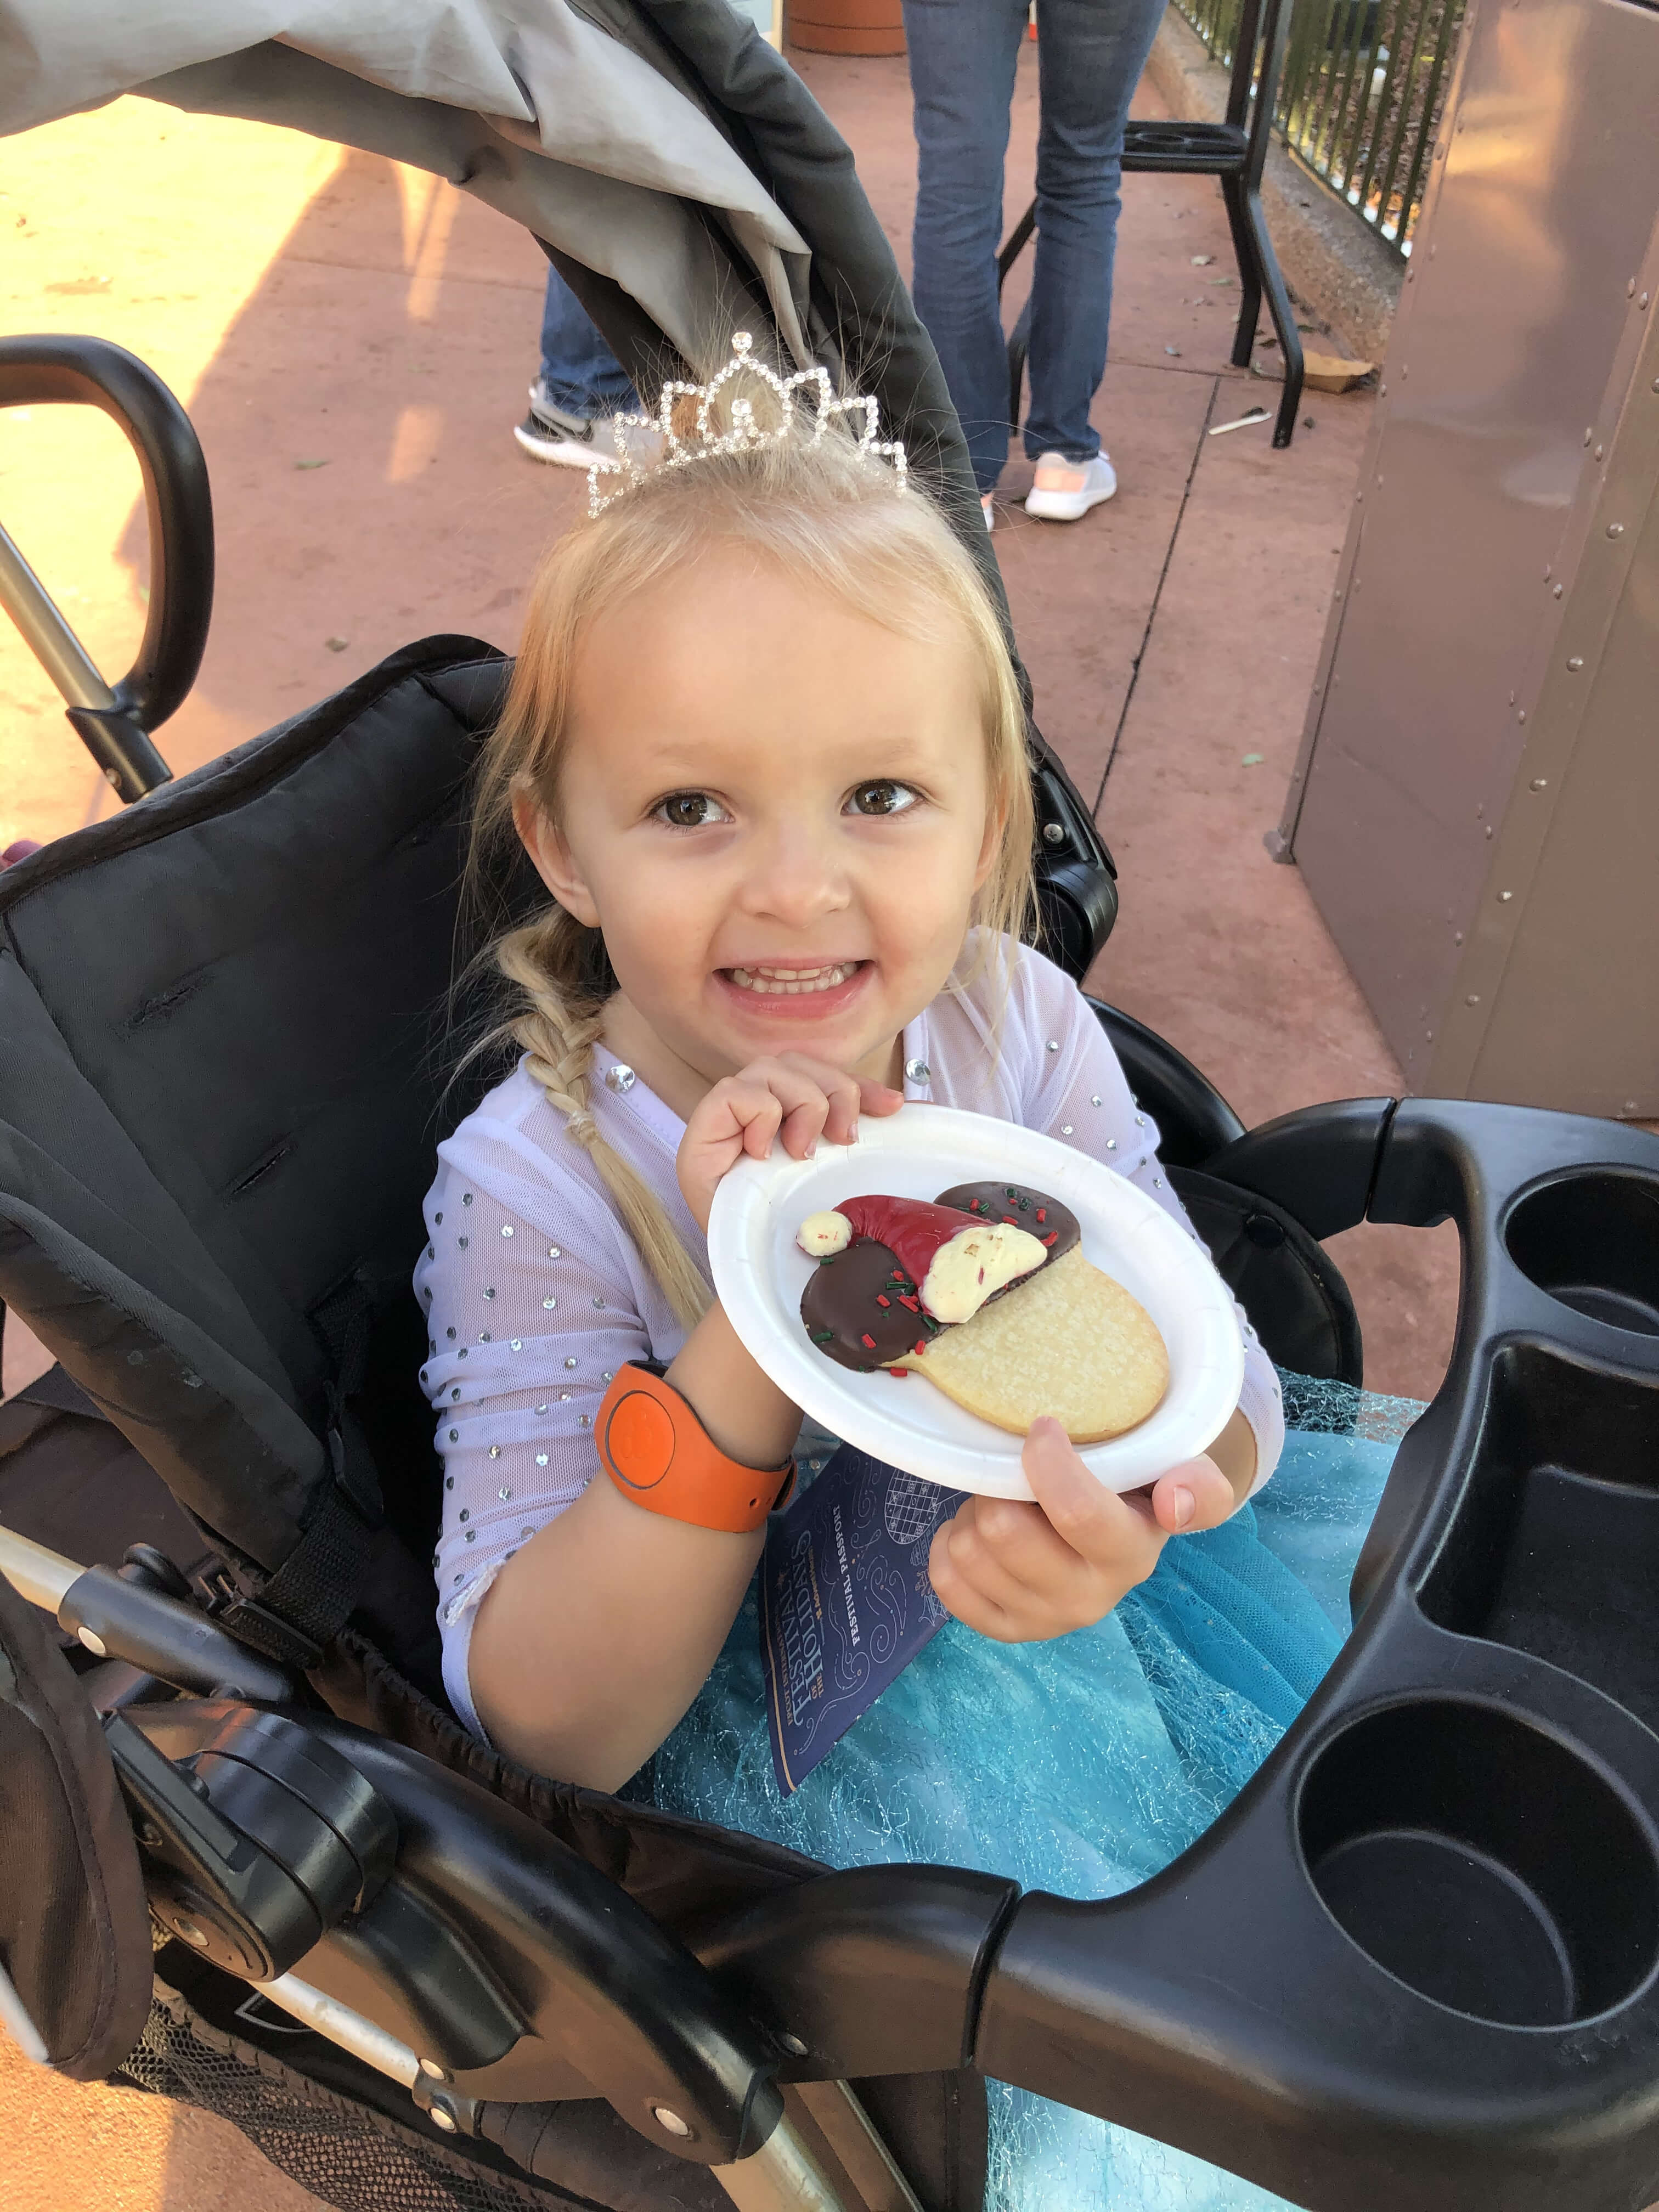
(980, 1260)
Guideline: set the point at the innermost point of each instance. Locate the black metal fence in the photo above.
(1360, 95)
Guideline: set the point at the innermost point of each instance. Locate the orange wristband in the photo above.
(659, 1454)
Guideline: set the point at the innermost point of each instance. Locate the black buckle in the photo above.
(265, 1632)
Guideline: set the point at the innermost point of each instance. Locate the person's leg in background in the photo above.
(581, 386)
(1090, 56)
(963, 55)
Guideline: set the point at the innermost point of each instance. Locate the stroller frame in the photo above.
(1445, 1990)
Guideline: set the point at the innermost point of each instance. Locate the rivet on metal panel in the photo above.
(1521, 715)
(1558, 590)
(1642, 302)
(1549, 573)
(1540, 783)
(1382, 390)
(1428, 1036)
(1577, 662)
(1600, 451)
(1472, 999)
(1615, 530)
(1488, 829)
(1504, 898)
(1589, 434)
(1511, 698)
(1457, 936)
(1630, 289)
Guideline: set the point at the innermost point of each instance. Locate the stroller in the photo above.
(253, 1860)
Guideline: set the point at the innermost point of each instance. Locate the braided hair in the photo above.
(558, 1024)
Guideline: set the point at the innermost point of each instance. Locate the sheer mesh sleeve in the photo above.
(533, 1302)
(1076, 1089)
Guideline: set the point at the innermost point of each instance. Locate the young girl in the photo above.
(765, 750)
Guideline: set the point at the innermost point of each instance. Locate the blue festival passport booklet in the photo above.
(845, 1601)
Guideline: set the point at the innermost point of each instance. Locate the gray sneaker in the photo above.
(571, 441)
(553, 434)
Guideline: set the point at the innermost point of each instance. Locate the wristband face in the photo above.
(659, 1454)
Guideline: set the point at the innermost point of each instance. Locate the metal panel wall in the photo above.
(1515, 405)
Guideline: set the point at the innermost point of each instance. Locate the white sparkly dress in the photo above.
(534, 1294)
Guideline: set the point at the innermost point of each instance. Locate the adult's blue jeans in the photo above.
(962, 56)
(580, 374)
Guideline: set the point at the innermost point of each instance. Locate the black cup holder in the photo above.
(1554, 1548)
(1482, 1863)
(1591, 1241)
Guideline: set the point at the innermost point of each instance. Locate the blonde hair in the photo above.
(830, 519)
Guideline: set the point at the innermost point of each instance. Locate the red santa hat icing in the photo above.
(954, 1264)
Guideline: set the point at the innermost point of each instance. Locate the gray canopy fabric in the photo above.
(674, 166)
(534, 108)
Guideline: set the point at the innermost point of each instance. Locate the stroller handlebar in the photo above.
(114, 720)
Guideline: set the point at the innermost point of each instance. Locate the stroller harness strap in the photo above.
(307, 1601)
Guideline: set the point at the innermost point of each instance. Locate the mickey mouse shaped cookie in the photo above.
(1001, 1309)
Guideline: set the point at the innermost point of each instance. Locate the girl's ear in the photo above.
(552, 857)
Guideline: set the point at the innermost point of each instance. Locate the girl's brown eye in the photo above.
(883, 797)
(688, 810)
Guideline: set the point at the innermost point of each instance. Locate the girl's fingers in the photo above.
(1194, 1496)
(801, 1092)
(1016, 1541)
(1104, 1528)
(877, 1098)
(976, 1599)
(843, 1095)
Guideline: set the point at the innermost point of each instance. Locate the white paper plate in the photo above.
(760, 1273)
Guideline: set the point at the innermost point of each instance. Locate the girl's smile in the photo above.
(800, 994)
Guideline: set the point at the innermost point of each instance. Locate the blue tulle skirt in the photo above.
(1084, 1766)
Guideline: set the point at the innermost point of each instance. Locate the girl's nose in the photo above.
(795, 877)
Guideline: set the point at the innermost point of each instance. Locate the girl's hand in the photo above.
(1020, 1573)
(806, 1099)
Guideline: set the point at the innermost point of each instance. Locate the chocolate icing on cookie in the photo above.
(862, 1307)
(1022, 1206)
(845, 1317)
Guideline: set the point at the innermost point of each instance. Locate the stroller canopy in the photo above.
(677, 171)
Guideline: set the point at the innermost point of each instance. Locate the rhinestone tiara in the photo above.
(744, 435)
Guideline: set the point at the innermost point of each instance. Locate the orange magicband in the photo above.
(658, 1454)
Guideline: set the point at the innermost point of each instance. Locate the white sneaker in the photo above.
(574, 442)
(571, 441)
(1065, 490)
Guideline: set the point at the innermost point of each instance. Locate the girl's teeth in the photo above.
(792, 981)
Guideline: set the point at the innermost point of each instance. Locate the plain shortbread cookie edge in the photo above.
(1071, 1342)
